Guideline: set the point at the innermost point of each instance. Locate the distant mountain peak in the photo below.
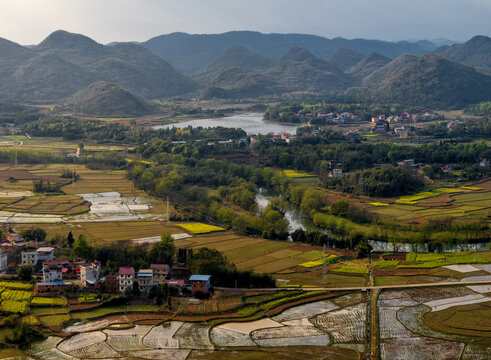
(344, 58)
(299, 54)
(62, 39)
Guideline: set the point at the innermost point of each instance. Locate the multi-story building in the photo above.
(126, 277)
(180, 272)
(29, 257)
(111, 284)
(89, 274)
(160, 272)
(32, 257)
(45, 253)
(145, 280)
(52, 273)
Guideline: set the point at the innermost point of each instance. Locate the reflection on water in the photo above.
(251, 123)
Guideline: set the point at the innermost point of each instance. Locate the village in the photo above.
(61, 275)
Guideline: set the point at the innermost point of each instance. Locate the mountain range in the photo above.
(64, 63)
(190, 52)
(78, 73)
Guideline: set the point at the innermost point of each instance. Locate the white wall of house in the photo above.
(3, 261)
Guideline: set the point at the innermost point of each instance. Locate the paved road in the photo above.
(365, 288)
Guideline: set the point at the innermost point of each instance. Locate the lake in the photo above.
(251, 123)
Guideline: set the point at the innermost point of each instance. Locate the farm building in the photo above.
(200, 283)
(47, 287)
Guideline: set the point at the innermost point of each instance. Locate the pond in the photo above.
(251, 123)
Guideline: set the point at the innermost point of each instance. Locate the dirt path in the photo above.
(380, 287)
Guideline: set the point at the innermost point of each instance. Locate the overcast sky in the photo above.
(29, 21)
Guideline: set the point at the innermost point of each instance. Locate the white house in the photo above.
(89, 273)
(52, 273)
(126, 277)
(3, 261)
(45, 254)
(29, 257)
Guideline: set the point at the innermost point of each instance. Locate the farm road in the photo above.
(381, 287)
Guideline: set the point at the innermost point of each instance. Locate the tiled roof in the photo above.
(159, 266)
(126, 271)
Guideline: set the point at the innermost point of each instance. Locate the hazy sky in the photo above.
(29, 21)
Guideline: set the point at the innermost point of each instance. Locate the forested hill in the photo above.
(104, 99)
(475, 52)
(65, 63)
(434, 81)
(188, 53)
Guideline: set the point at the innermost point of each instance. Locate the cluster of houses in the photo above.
(60, 274)
(344, 117)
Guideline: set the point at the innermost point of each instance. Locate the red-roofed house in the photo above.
(126, 277)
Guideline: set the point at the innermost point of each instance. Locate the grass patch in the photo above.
(433, 260)
(88, 298)
(467, 320)
(54, 320)
(47, 301)
(352, 267)
(386, 264)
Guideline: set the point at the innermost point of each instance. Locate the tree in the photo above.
(363, 249)
(25, 272)
(70, 239)
(340, 207)
(82, 249)
(160, 292)
(34, 234)
(162, 252)
(209, 261)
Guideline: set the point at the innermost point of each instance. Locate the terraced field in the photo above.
(438, 323)
(472, 202)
